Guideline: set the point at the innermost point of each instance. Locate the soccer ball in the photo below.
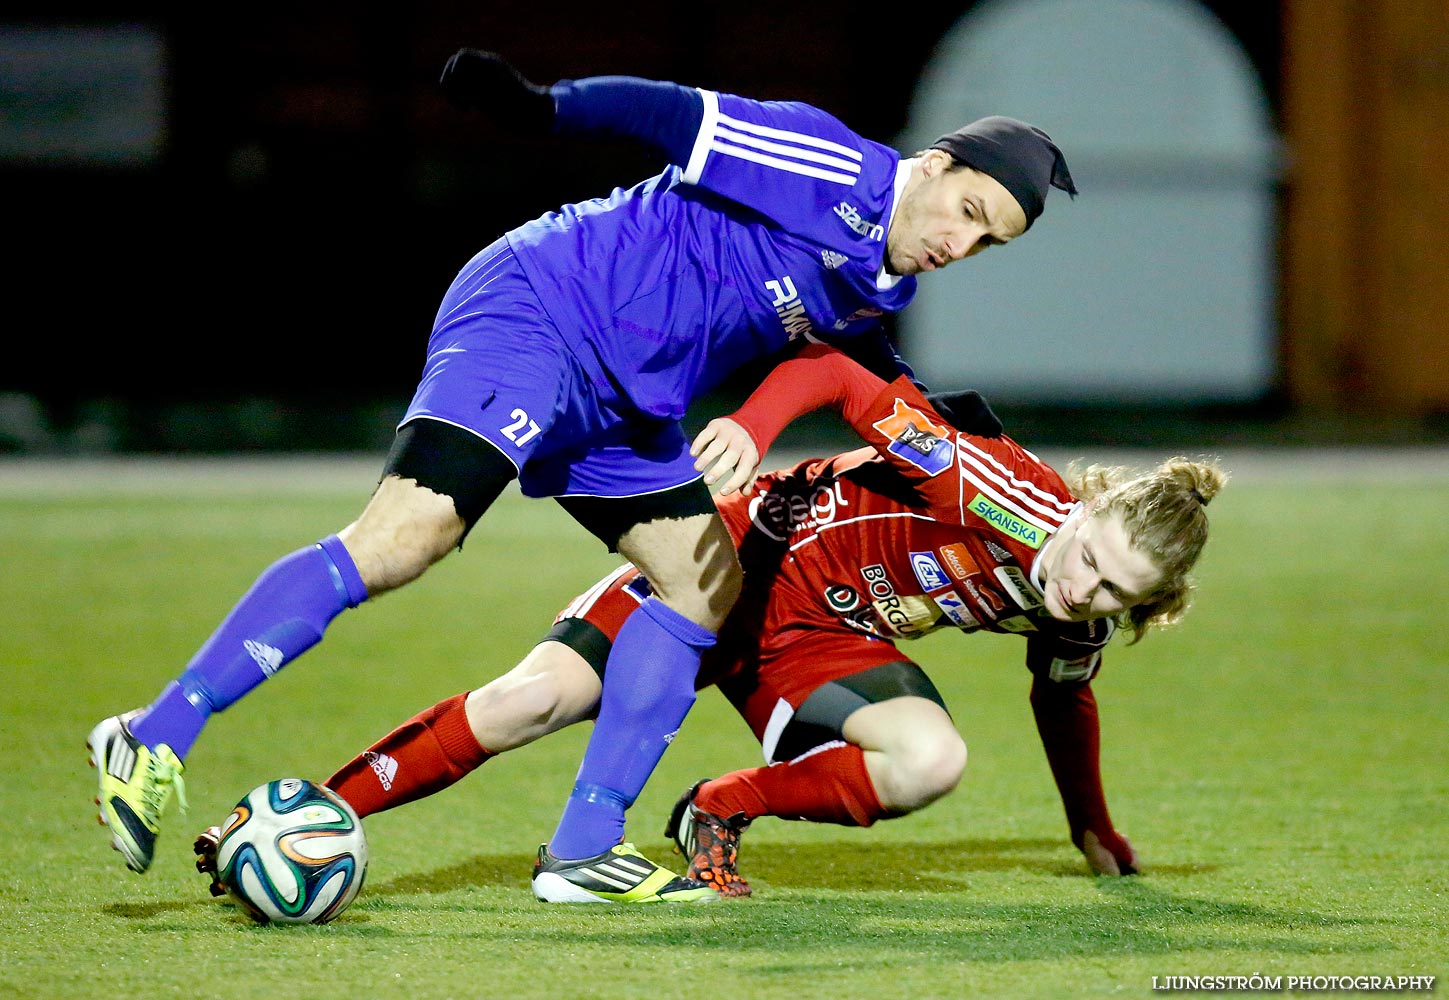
(292, 852)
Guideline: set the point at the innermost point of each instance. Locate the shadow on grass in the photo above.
(232, 916)
(935, 866)
(145, 911)
(858, 866)
(832, 905)
(829, 906)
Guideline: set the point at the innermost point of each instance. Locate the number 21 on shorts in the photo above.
(522, 430)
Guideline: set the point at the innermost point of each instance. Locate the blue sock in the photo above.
(648, 689)
(281, 617)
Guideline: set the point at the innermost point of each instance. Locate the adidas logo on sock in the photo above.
(383, 766)
(269, 658)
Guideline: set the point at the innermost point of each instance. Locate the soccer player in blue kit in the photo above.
(565, 355)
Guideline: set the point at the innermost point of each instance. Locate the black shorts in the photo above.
(470, 470)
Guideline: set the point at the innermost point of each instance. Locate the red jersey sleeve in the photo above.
(1066, 720)
(816, 377)
(892, 417)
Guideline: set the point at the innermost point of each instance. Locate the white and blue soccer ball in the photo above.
(292, 852)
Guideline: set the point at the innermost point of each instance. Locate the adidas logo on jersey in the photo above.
(831, 259)
(383, 766)
(269, 658)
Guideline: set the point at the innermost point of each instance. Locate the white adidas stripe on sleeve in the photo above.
(1024, 499)
(781, 149)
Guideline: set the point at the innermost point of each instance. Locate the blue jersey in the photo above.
(768, 226)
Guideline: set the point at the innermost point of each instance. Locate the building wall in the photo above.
(1366, 205)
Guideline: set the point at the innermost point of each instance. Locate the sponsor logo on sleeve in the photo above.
(1017, 624)
(957, 560)
(1022, 592)
(841, 598)
(984, 597)
(955, 609)
(928, 571)
(916, 440)
(1007, 523)
(876, 581)
(908, 616)
(1075, 670)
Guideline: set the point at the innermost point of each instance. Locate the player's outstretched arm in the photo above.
(1066, 720)
(815, 377)
(664, 115)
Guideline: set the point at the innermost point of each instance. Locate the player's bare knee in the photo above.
(404, 529)
(920, 774)
(708, 602)
(921, 771)
(941, 768)
(721, 589)
(691, 564)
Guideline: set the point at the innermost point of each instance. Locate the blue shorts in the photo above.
(497, 366)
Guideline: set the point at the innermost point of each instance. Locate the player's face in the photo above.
(1091, 570)
(945, 215)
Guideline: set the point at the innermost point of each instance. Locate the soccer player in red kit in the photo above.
(929, 528)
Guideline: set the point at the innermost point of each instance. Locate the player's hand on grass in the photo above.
(484, 81)
(1112, 855)
(730, 455)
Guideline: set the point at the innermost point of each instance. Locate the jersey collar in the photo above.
(1036, 564)
(884, 280)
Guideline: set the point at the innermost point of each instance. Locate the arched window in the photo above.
(1158, 282)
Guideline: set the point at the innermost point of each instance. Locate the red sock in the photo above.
(831, 786)
(424, 755)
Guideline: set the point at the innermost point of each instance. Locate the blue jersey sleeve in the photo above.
(663, 115)
(794, 164)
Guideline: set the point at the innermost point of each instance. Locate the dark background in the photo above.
(270, 282)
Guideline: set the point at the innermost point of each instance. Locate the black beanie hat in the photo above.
(1021, 157)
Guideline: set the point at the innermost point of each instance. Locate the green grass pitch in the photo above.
(1279, 761)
